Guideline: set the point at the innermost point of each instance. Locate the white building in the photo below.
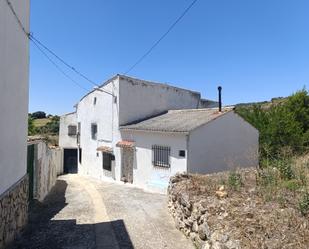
(143, 132)
(14, 74)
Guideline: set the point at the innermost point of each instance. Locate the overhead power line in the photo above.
(34, 39)
(17, 18)
(58, 68)
(63, 61)
(161, 38)
(40, 45)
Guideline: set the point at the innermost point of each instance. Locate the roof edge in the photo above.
(157, 83)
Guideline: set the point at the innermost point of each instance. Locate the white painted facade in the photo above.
(65, 121)
(14, 77)
(146, 175)
(133, 100)
(225, 143)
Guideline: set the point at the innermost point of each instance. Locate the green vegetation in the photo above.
(304, 204)
(283, 125)
(234, 180)
(40, 122)
(47, 127)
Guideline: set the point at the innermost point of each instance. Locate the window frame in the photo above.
(161, 156)
(94, 132)
(70, 133)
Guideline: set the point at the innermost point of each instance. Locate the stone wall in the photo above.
(13, 211)
(191, 218)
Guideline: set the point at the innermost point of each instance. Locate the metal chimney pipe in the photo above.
(220, 101)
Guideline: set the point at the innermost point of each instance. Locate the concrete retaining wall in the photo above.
(47, 166)
(13, 211)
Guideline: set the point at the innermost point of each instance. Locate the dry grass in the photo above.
(41, 122)
(263, 211)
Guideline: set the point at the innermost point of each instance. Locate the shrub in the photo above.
(284, 166)
(235, 180)
(31, 127)
(38, 115)
(291, 185)
(304, 204)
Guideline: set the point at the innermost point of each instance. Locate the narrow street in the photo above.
(84, 213)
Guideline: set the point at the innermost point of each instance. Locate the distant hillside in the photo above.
(264, 104)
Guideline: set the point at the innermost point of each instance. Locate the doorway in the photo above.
(127, 157)
(70, 161)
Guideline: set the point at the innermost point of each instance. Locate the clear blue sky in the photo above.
(255, 49)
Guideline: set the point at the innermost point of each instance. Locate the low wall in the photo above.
(191, 217)
(13, 210)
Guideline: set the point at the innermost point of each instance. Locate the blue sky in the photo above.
(255, 49)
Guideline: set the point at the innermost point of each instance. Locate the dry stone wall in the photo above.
(191, 218)
(13, 211)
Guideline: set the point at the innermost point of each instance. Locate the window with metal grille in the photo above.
(72, 130)
(161, 156)
(94, 131)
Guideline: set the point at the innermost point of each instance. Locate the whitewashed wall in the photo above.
(144, 173)
(14, 75)
(105, 114)
(135, 100)
(66, 141)
(225, 143)
(139, 99)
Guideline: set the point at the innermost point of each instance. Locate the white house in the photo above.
(14, 74)
(142, 132)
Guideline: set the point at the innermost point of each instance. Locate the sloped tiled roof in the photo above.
(177, 120)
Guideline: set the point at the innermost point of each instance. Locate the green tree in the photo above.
(31, 127)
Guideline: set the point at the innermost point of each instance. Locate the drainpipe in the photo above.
(220, 101)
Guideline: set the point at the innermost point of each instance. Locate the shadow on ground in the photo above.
(42, 232)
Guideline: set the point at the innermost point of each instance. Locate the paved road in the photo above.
(83, 213)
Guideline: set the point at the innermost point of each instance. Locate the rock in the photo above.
(206, 245)
(221, 188)
(186, 231)
(218, 245)
(192, 236)
(198, 242)
(203, 231)
(217, 236)
(179, 224)
(188, 222)
(221, 194)
(194, 227)
(184, 200)
(232, 245)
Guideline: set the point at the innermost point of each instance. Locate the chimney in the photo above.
(220, 102)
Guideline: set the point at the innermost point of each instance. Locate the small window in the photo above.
(72, 130)
(161, 156)
(182, 153)
(94, 100)
(94, 131)
(107, 161)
